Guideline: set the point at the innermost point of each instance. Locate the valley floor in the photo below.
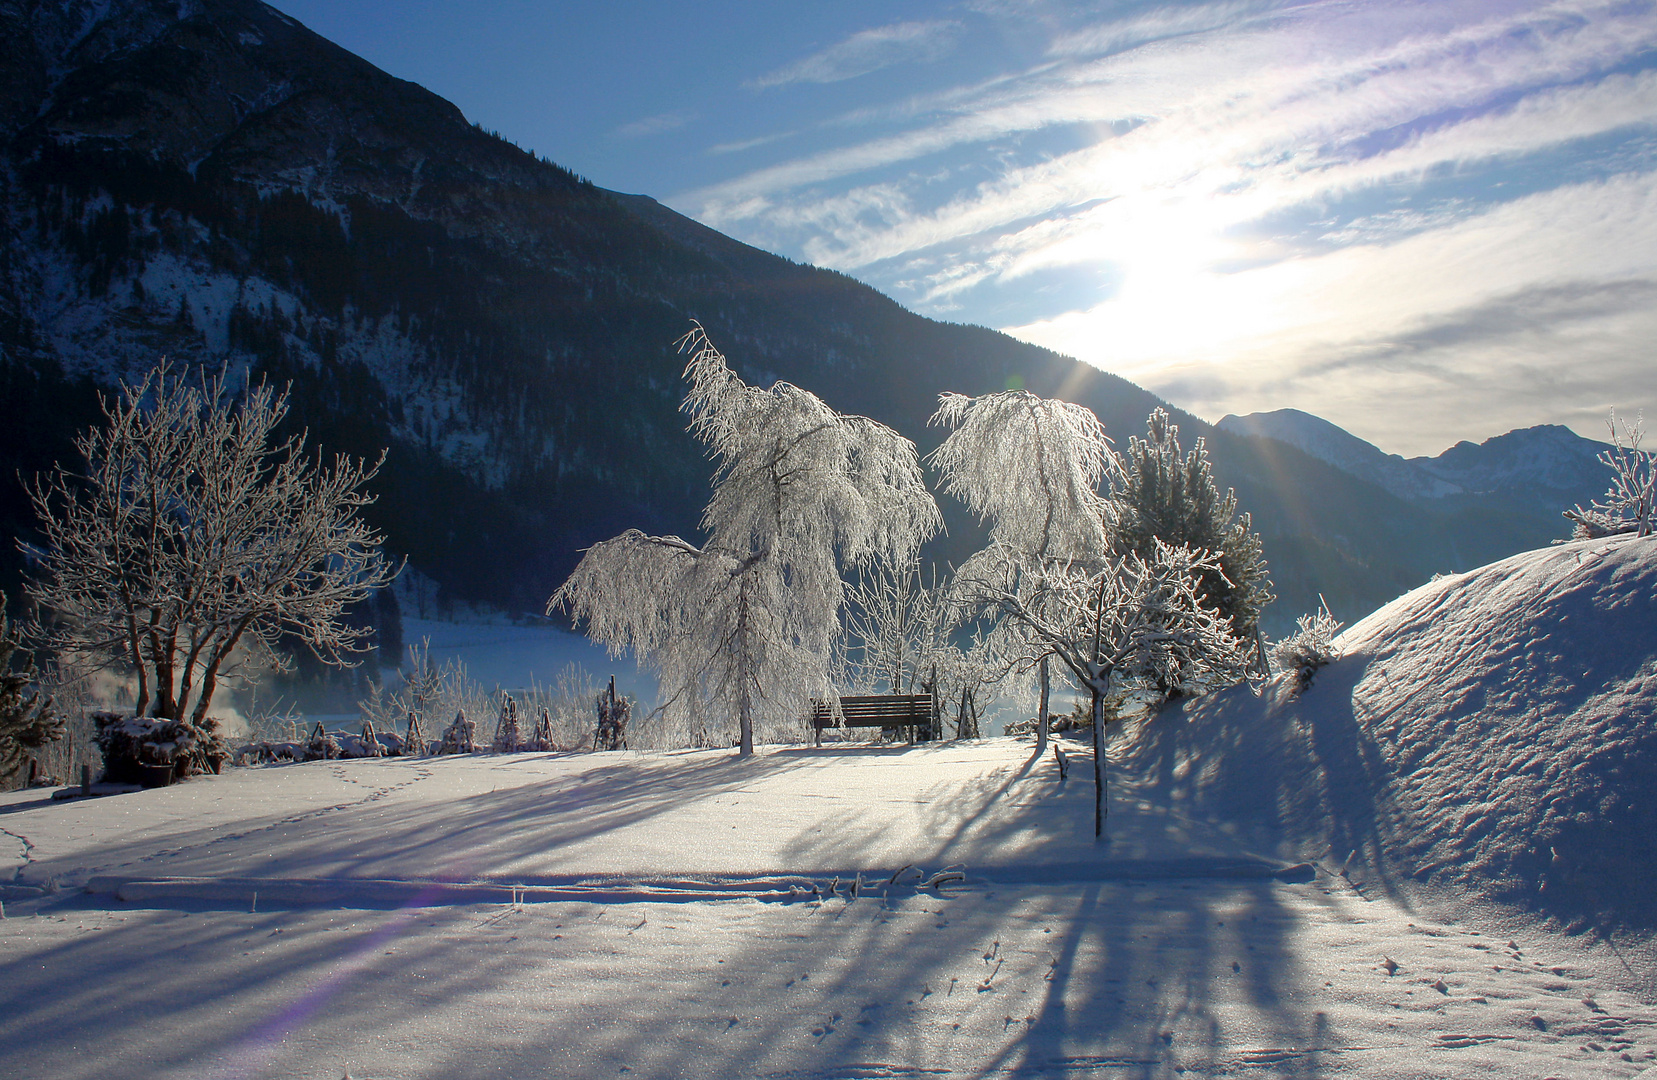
(652, 932)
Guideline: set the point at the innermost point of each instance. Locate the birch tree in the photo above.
(741, 626)
(193, 540)
(1132, 623)
(1031, 467)
(1039, 472)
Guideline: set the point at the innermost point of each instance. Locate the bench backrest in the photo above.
(877, 710)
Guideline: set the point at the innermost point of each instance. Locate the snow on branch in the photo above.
(1030, 466)
(1630, 504)
(195, 540)
(743, 625)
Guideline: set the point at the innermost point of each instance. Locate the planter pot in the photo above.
(152, 776)
(216, 764)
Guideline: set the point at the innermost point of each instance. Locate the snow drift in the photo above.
(1491, 730)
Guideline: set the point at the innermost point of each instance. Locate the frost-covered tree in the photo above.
(1168, 495)
(1133, 623)
(1031, 467)
(885, 615)
(193, 540)
(741, 626)
(1048, 583)
(1630, 503)
(27, 720)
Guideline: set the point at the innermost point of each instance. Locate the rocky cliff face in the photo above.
(213, 182)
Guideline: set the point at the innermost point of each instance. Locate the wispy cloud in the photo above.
(1275, 186)
(866, 51)
(654, 125)
(749, 144)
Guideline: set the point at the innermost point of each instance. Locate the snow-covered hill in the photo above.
(1495, 729)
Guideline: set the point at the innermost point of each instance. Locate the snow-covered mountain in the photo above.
(215, 183)
(1345, 451)
(1548, 463)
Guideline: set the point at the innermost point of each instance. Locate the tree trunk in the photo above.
(745, 704)
(1041, 711)
(1101, 806)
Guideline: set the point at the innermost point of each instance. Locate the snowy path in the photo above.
(1048, 977)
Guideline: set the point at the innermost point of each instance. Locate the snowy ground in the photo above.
(654, 936)
(687, 914)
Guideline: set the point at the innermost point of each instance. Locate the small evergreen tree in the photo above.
(26, 721)
(1168, 495)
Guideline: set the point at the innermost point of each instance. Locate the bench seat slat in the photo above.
(876, 710)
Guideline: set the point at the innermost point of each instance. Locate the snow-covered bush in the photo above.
(1630, 504)
(613, 714)
(27, 720)
(321, 746)
(506, 727)
(127, 742)
(460, 737)
(541, 739)
(1310, 647)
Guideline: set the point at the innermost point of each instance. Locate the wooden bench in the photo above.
(889, 711)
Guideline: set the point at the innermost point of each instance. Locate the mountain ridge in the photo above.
(216, 183)
(1547, 464)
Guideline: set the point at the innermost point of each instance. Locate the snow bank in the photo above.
(1492, 729)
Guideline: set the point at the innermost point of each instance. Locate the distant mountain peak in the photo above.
(1547, 463)
(1326, 441)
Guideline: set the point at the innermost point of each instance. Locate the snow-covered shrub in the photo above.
(541, 739)
(1310, 647)
(460, 737)
(506, 727)
(27, 721)
(321, 746)
(414, 736)
(1630, 504)
(613, 715)
(269, 752)
(128, 742)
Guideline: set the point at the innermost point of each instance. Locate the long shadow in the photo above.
(1131, 981)
(1295, 777)
(1058, 980)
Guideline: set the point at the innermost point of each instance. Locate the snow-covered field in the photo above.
(690, 914)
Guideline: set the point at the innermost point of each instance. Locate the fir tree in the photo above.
(26, 721)
(1168, 495)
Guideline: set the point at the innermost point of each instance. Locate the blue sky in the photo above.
(1423, 221)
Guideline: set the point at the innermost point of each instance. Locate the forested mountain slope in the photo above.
(210, 181)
